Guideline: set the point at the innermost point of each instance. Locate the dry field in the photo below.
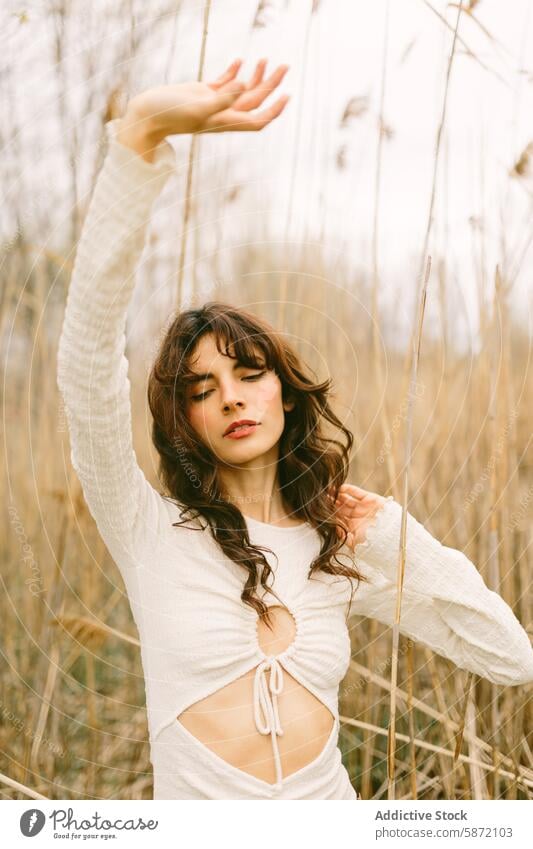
(458, 424)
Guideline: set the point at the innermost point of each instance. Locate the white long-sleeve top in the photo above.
(196, 634)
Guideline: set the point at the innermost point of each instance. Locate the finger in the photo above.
(349, 489)
(362, 505)
(359, 492)
(233, 119)
(344, 498)
(351, 516)
(233, 70)
(258, 74)
(228, 94)
(353, 507)
(265, 116)
(229, 74)
(349, 536)
(254, 97)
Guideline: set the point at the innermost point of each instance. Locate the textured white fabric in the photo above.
(196, 634)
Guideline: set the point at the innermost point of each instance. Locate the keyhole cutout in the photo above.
(222, 724)
(283, 633)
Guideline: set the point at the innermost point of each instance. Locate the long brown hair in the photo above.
(310, 467)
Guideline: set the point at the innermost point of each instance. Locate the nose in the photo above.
(231, 399)
(229, 405)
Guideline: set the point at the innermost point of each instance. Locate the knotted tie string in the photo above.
(265, 700)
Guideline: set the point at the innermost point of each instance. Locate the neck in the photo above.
(254, 488)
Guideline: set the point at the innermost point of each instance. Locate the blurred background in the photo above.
(409, 135)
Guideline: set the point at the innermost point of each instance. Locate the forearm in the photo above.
(446, 603)
(110, 245)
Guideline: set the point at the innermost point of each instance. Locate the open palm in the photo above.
(225, 104)
(237, 116)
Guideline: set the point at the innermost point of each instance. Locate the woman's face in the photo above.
(230, 393)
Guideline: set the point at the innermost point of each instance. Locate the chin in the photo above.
(243, 455)
(244, 450)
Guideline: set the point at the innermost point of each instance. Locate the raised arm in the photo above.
(92, 367)
(445, 604)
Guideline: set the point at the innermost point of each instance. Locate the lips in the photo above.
(241, 422)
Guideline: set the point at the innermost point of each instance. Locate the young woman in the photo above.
(241, 576)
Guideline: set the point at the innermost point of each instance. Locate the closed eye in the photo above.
(205, 394)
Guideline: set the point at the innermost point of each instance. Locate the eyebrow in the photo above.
(196, 378)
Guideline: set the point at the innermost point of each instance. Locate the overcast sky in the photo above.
(489, 122)
(335, 55)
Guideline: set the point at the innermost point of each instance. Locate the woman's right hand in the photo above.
(222, 105)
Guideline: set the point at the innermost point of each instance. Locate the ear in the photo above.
(288, 406)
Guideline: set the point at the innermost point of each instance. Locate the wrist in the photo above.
(138, 133)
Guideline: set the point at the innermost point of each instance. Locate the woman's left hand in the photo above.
(357, 508)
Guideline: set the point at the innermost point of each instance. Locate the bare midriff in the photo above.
(224, 721)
